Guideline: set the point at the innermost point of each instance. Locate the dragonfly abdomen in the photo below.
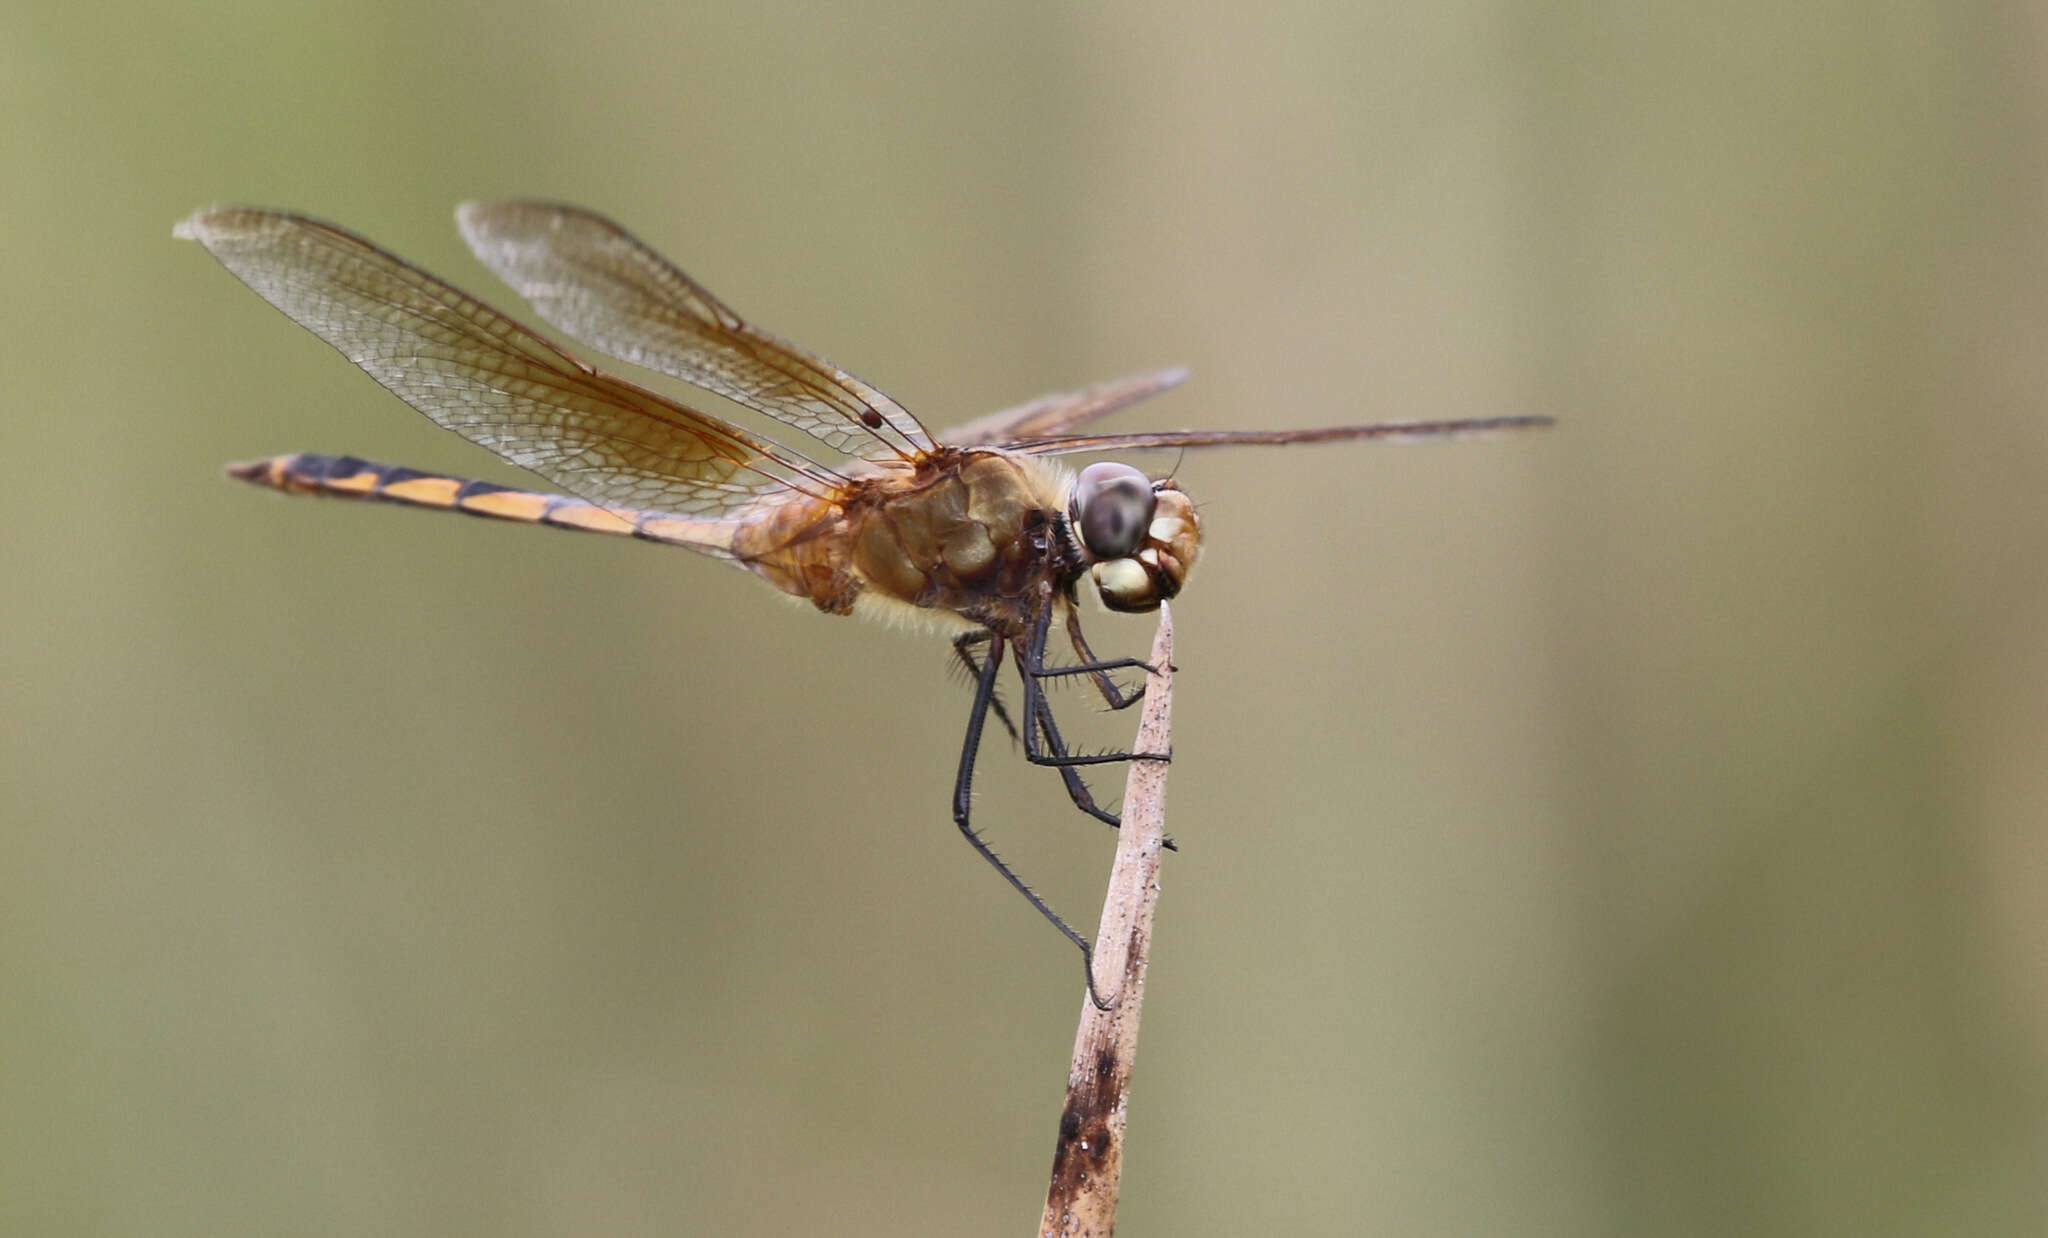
(348, 477)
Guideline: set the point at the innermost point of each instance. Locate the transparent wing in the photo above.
(591, 278)
(1056, 414)
(1168, 439)
(497, 384)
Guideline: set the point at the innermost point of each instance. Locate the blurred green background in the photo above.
(1636, 829)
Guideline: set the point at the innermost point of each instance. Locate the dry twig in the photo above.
(1087, 1164)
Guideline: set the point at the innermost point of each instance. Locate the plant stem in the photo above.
(1087, 1163)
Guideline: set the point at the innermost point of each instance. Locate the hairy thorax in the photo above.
(970, 533)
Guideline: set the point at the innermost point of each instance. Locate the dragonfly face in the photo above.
(1144, 535)
(976, 526)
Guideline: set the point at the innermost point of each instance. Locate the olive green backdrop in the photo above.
(1635, 829)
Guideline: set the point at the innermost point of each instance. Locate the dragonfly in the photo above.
(978, 530)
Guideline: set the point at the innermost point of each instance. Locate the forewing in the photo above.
(1169, 439)
(1055, 414)
(591, 278)
(497, 384)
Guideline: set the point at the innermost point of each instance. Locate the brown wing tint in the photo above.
(491, 380)
(594, 280)
(1055, 414)
(1168, 439)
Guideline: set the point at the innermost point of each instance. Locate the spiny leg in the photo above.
(1111, 690)
(1044, 745)
(961, 646)
(963, 786)
(1077, 788)
(1096, 669)
(1031, 666)
(1041, 722)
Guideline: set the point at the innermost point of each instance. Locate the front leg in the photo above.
(1095, 668)
(1112, 691)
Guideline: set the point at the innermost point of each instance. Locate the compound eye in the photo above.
(1112, 507)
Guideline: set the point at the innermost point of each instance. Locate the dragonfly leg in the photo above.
(1042, 724)
(1032, 668)
(963, 646)
(1097, 669)
(963, 804)
(1077, 787)
(1043, 744)
(1111, 690)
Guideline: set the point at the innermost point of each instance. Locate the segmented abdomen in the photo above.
(350, 478)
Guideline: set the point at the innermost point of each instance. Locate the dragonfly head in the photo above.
(1141, 536)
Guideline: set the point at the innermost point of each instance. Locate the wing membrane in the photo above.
(591, 278)
(1169, 439)
(1055, 414)
(497, 384)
